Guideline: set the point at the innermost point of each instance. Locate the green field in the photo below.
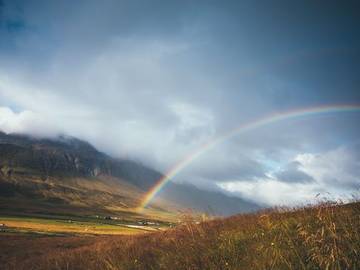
(73, 225)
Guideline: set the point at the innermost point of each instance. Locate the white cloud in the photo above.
(272, 191)
(339, 167)
(25, 122)
(335, 175)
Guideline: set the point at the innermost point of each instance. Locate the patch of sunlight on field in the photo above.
(62, 226)
(152, 213)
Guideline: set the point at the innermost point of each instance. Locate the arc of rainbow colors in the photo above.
(273, 118)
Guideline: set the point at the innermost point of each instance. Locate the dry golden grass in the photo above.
(323, 237)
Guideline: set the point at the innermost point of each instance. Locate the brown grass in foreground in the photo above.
(323, 237)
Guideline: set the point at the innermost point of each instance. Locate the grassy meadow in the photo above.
(326, 236)
(53, 226)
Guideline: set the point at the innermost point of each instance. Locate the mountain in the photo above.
(66, 157)
(66, 174)
(211, 202)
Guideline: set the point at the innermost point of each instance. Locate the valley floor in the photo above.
(58, 227)
(326, 236)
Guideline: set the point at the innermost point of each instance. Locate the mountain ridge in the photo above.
(39, 166)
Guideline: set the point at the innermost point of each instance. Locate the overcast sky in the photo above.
(153, 80)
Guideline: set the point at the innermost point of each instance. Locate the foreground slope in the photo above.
(323, 237)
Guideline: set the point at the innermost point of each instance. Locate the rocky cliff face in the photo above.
(66, 157)
(44, 157)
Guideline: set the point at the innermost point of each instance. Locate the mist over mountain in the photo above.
(51, 163)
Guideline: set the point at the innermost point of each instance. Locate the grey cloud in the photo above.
(234, 169)
(292, 174)
(224, 163)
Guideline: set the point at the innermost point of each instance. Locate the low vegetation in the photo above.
(326, 236)
(52, 226)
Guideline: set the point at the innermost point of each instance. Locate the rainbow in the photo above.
(267, 120)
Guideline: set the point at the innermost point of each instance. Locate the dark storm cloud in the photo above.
(154, 80)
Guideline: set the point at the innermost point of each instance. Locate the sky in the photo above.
(154, 80)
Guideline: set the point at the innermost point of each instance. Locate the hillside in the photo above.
(210, 202)
(326, 236)
(68, 175)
